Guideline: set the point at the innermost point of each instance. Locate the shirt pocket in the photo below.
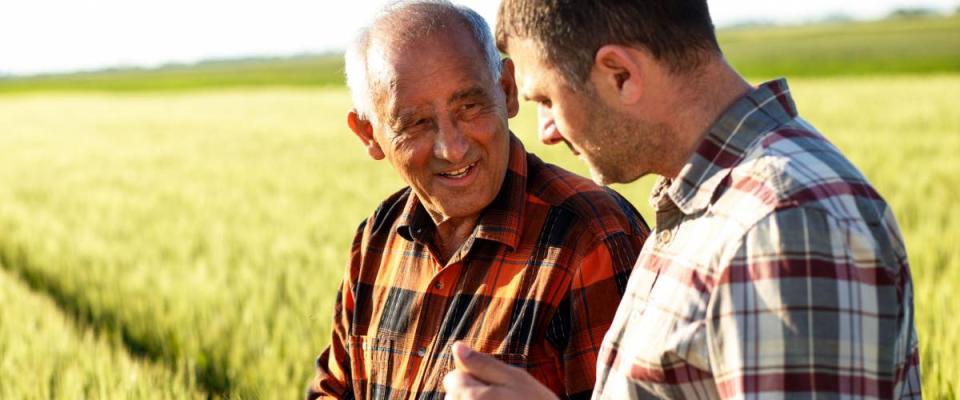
(372, 366)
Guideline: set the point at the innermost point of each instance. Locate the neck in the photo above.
(451, 233)
(701, 100)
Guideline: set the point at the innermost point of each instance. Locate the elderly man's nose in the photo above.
(451, 145)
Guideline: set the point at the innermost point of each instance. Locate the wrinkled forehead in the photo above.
(397, 36)
(399, 65)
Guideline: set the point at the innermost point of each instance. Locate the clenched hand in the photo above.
(480, 377)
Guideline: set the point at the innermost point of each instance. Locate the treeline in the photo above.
(911, 41)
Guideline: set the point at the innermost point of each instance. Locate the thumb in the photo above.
(482, 366)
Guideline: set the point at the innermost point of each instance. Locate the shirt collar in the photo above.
(500, 221)
(758, 112)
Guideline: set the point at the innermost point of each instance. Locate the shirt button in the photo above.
(665, 236)
(422, 351)
(438, 285)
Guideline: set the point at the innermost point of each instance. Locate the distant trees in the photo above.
(912, 12)
(836, 18)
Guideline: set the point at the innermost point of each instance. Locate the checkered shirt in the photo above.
(776, 271)
(536, 285)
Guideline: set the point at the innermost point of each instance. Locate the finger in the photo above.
(485, 392)
(458, 383)
(458, 380)
(482, 366)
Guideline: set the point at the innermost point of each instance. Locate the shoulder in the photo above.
(595, 210)
(389, 210)
(808, 242)
(794, 187)
(374, 232)
(794, 166)
(378, 225)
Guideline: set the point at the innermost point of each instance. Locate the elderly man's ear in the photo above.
(509, 84)
(364, 130)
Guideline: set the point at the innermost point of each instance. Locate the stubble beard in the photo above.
(622, 149)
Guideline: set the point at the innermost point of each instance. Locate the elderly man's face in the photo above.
(443, 121)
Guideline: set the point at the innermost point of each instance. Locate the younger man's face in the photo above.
(611, 143)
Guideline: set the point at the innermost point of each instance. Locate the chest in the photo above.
(659, 337)
(409, 309)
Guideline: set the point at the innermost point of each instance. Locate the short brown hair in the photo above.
(568, 33)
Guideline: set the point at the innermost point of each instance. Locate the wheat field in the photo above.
(189, 243)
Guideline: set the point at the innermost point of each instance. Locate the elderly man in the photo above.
(777, 271)
(488, 245)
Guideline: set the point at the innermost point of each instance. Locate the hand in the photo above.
(481, 377)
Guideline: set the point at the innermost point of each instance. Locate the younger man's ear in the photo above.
(508, 82)
(618, 70)
(364, 131)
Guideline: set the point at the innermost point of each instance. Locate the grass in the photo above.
(45, 355)
(312, 71)
(205, 231)
(899, 46)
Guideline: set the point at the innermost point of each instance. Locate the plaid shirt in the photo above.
(536, 285)
(776, 272)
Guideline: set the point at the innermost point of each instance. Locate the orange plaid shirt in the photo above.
(536, 285)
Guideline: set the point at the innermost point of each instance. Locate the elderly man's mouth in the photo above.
(459, 173)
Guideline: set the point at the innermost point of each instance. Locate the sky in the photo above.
(45, 36)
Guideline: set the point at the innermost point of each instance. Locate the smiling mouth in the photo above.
(460, 173)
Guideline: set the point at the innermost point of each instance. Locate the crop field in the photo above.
(46, 358)
(188, 243)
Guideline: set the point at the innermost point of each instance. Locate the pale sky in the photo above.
(38, 36)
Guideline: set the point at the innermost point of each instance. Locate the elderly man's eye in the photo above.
(418, 123)
(470, 111)
(411, 126)
(422, 125)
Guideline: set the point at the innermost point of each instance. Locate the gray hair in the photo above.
(430, 14)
